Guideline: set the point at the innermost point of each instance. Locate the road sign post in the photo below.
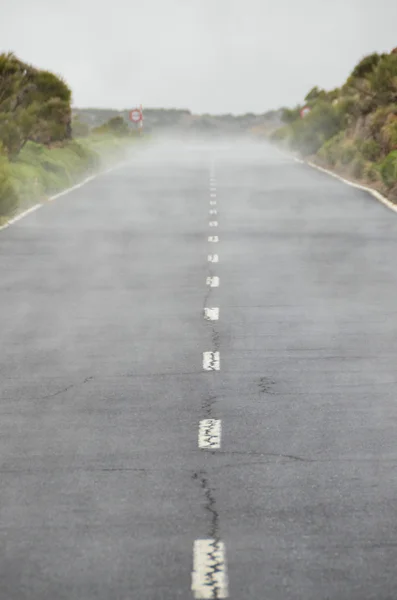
(136, 116)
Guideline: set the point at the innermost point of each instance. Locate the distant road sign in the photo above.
(135, 115)
(305, 111)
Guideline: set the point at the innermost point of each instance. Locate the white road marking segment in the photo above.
(213, 223)
(63, 193)
(213, 239)
(212, 202)
(211, 361)
(209, 576)
(364, 188)
(209, 435)
(214, 258)
(213, 281)
(213, 195)
(213, 211)
(21, 216)
(211, 314)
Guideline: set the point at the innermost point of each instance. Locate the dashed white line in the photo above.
(213, 211)
(214, 258)
(213, 223)
(212, 202)
(211, 314)
(213, 238)
(209, 435)
(209, 576)
(212, 195)
(211, 361)
(213, 281)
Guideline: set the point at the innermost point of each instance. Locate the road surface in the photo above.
(151, 449)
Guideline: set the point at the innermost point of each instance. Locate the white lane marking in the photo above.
(213, 223)
(21, 216)
(211, 314)
(213, 281)
(67, 191)
(213, 238)
(211, 361)
(213, 195)
(209, 576)
(213, 211)
(212, 189)
(364, 188)
(212, 202)
(209, 435)
(213, 258)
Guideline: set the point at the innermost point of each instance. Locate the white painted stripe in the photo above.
(209, 435)
(212, 202)
(213, 223)
(213, 258)
(212, 188)
(211, 361)
(213, 281)
(67, 191)
(211, 314)
(213, 195)
(209, 576)
(213, 211)
(21, 216)
(364, 188)
(213, 238)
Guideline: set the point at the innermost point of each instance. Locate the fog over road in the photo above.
(198, 385)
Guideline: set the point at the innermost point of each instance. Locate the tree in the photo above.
(34, 105)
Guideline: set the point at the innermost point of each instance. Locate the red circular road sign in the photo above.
(135, 115)
(305, 111)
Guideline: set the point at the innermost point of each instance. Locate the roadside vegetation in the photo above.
(352, 129)
(42, 148)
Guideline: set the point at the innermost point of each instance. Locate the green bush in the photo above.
(321, 124)
(370, 149)
(347, 153)
(370, 172)
(330, 150)
(8, 195)
(388, 169)
(281, 134)
(357, 167)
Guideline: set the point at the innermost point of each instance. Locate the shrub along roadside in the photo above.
(352, 129)
(40, 171)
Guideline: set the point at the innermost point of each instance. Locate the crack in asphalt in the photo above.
(271, 454)
(65, 389)
(215, 564)
(209, 437)
(208, 404)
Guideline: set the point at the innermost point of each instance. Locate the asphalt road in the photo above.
(290, 492)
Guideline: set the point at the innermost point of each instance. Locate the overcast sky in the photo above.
(215, 56)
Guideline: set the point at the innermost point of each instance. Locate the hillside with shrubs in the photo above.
(42, 148)
(352, 129)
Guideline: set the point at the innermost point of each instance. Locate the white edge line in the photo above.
(63, 193)
(358, 186)
(21, 216)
